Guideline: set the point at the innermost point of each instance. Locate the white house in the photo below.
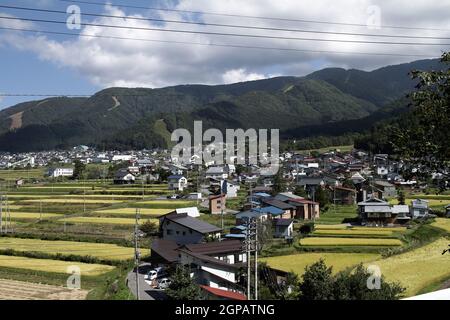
(419, 208)
(60, 172)
(177, 182)
(191, 211)
(122, 157)
(217, 173)
(230, 189)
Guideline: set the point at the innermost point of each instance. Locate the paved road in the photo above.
(146, 292)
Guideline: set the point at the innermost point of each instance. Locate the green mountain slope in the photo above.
(142, 118)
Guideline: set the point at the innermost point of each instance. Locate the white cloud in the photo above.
(240, 75)
(108, 62)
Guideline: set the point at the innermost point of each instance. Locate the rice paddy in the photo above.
(336, 241)
(339, 261)
(418, 268)
(54, 266)
(104, 220)
(132, 212)
(102, 251)
(442, 223)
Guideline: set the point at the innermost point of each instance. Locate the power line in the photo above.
(229, 34)
(212, 44)
(250, 17)
(231, 25)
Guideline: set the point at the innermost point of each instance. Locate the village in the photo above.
(221, 221)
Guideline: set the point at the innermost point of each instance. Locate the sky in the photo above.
(78, 64)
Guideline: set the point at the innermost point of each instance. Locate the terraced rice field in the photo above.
(167, 204)
(74, 201)
(21, 174)
(443, 223)
(104, 220)
(132, 212)
(19, 290)
(418, 268)
(99, 250)
(339, 261)
(352, 232)
(54, 266)
(32, 215)
(330, 241)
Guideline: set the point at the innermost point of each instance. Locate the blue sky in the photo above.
(73, 65)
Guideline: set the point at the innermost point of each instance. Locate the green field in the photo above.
(339, 261)
(132, 212)
(346, 148)
(330, 241)
(419, 268)
(435, 202)
(21, 174)
(102, 251)
(167, 204)
(49, 265)
(336, 215)
(104, 220)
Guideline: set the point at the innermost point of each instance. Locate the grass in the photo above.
(48, 265)
(104, 220)
(132, 211)
(419, 268)
(101, 251)
(339, 261)
(21, 174)
(330, 241)
(442, 223)
(337, 215)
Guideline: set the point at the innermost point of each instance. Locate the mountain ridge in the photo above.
(127, 116)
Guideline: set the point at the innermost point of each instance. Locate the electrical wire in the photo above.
(230, 25)
(227, 34)
(120, 5)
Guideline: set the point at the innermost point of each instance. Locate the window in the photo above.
(169, 232)
(178, 232)
(184, 233)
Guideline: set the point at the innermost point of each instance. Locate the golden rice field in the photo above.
(418, 268)
(351, 232)
(132, 211)
(330, 241)
(32, 215)
(330, 226)
(170, 202)
(104, 251)
(339, 261)
(104, 220)
(74, 201)
(442, 223)
(54, 266)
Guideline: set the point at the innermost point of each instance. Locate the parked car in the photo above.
(154, 274)
(164, 283)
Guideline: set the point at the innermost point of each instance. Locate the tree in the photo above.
(401, 197)
(352, 285)
(149, 227)
(78, 170)
(317, 282)
(183, 286)
(425, 141)
(321, 196)
(279, 184)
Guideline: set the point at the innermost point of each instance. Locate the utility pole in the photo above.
(221, 203)
(256, 259)
(247, 243)
(136, 250)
